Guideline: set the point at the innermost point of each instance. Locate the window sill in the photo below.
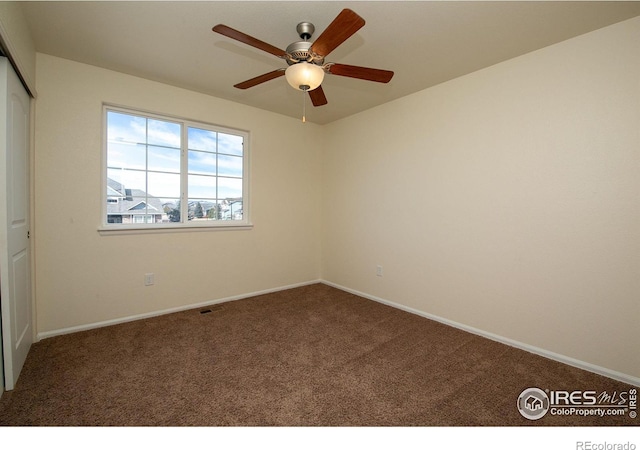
(121, 230)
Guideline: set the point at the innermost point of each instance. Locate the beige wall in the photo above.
(507, 200)
(16, 36)
(84, 278)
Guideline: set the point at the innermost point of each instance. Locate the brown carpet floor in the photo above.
(309, 356)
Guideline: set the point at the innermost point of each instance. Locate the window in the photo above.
(164, 172)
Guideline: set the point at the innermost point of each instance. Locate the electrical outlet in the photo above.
(378, 271)
(149, 279)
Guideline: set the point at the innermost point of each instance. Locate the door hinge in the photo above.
(28, 234)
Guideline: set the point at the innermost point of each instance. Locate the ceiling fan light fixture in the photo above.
(304, 76)
(306, 59)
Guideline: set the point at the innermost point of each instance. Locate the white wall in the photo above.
(84, 278)
(507, 200)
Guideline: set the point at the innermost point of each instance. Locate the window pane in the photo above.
(203, 209)
(164, 185)
(229, 188)
(164, 159)
(126, 128)
(163, 133)
(202, 163)
(231, 209)
(230, 144)
(130, 179)
(229, 166)
(125, 155)
(202, 139)
(202, 186)
(172, 209)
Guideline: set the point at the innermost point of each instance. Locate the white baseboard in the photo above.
(629, 379)
(106, 323)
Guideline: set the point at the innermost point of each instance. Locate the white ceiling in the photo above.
(423, 42)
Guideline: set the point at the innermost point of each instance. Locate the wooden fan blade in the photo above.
(260, 79)
(317, 97)
(338, 31)
(362, 73)
(249, 40)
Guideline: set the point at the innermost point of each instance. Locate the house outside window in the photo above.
(163, 172)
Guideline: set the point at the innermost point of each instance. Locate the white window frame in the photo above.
(184, 225)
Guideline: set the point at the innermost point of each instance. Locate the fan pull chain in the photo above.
(304, 105)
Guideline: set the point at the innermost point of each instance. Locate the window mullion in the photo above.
(146, 170)
(184, 173)
(217, 171)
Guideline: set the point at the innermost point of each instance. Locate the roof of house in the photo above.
(131, 201)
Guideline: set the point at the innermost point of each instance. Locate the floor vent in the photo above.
(211, 309)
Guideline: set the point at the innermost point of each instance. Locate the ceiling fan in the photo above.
(306, 65)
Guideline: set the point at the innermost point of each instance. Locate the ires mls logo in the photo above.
(534, 403)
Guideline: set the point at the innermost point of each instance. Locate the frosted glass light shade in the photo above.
(304, 76)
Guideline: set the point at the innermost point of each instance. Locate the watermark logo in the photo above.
(588, 445)
(535, 403)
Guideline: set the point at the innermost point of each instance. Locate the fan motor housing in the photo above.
(299, 51)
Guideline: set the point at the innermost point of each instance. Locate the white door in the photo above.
(1, 358)
(15, 277)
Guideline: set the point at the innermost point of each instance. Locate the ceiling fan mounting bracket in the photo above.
(305, 30)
